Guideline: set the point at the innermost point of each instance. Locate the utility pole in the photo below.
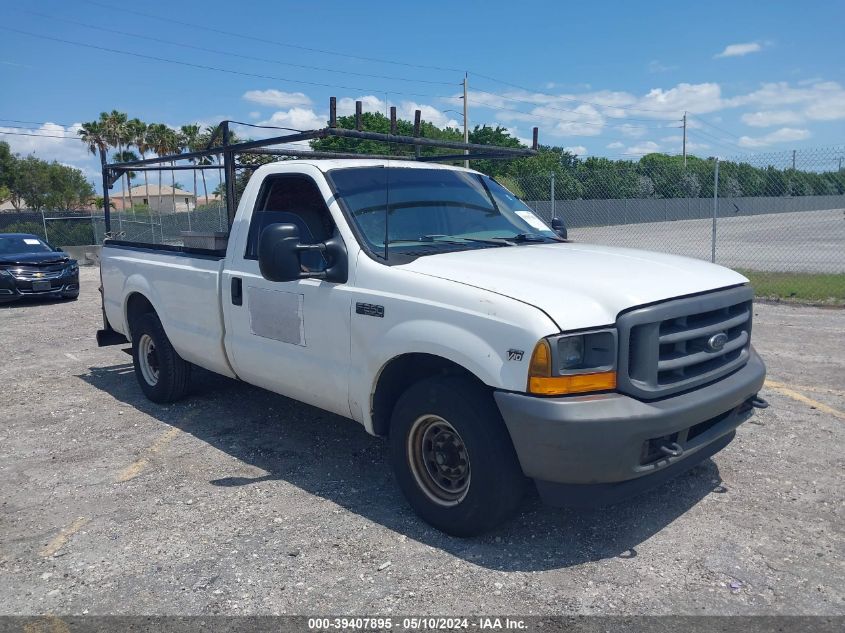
(840, 163)
(685, 139)
(466, 128)
(793, 160)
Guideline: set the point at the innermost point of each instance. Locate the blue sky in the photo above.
(601, 78)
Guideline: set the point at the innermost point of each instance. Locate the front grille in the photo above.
(36, 273)
(664, 347)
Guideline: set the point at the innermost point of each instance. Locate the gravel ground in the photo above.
(237, 501)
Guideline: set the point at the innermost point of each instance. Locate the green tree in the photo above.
(67, 188)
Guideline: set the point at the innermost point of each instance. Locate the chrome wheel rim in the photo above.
(439, 460)
(148, 359)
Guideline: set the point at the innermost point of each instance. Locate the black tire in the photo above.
(494, 485)
(167, 374)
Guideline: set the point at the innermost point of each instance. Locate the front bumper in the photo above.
(12, 289)
(602, 443)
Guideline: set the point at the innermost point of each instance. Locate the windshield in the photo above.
(16, 245)
(434, 209)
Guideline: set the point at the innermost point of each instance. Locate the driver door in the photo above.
(289, 337)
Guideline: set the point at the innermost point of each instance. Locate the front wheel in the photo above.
(161, 372)
(453, 457)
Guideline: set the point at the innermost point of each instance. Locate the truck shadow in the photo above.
(334, 458)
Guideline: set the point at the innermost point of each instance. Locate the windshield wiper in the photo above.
(522, 238)
(454, 239)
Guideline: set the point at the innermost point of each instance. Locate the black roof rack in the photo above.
(263, 147)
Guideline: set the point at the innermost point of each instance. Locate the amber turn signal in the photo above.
(542, 383)
(575, 383)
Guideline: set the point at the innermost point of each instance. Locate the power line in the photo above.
(67, 138)
(231, 54)
(722, 142)
(204, 66)
(39, 123)
(558, 120)
(170, 20)
(568, 98)
(550, 107)
(724, 131)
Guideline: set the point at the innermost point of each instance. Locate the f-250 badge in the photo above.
(515, 354)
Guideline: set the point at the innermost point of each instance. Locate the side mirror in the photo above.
(59, 249)
(279, 251)
(559, 227)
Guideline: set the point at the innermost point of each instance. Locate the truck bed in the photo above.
(183, 284)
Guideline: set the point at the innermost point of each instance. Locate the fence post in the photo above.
(715, 212)
(44, 222)
(553, 194)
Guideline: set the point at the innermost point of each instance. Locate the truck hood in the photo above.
(578, 285)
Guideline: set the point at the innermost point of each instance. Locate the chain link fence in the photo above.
(777, 218)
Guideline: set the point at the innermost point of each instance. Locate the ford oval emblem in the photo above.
(717, 342)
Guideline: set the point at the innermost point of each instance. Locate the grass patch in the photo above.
(800, 287)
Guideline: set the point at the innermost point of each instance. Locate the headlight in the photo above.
(573, 363)
(72, 269)
(5, 273)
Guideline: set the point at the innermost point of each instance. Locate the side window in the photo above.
(292, 199)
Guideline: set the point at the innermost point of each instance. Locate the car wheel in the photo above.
(453, 457)
(161, 372)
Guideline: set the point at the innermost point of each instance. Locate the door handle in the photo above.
(237, 291)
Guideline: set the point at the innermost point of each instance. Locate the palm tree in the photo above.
(190, 137)
(157, 141)
(176, 144)
(137, 130)
(94, 137)
(127, 156)
(220, 190)
(116, 131)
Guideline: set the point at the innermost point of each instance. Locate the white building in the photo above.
(167, 200)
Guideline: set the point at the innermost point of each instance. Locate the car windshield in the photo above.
(434, 209)
(18, 244)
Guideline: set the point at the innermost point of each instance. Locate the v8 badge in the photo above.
(515, 354)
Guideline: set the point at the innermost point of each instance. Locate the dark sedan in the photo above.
(29, 267)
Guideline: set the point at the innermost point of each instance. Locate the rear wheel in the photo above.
(161, 372)
(453, 457)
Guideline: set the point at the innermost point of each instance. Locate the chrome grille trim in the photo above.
(663, 347)
(36, 273)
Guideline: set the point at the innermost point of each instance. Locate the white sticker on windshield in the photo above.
(29, 240)
(533, 220)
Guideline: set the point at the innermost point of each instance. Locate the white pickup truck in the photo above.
(429, 304)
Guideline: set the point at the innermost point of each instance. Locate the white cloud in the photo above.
(255, 114)
(277, 98)
(578, 150)
(404, 110)
(695, 98)
(769, 118)
(643, 148)
(738, 50)
(820, 101)
(783, 135)
(632, 131)
(297, 118)
(40, 142)
(615, 145)
(655, 66)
